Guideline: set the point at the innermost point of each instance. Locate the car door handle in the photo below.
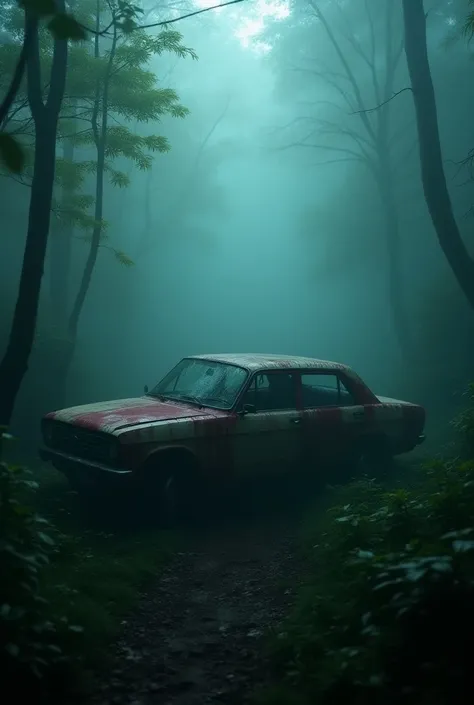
(358, 414)
(296, 421)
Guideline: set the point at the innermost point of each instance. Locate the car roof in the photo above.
(261, 361)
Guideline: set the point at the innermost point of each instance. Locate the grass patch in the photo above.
(96, 579)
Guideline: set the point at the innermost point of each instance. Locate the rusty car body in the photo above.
(219, 418)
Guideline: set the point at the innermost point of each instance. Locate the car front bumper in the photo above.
(85, 472)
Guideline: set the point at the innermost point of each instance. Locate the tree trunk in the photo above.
(395, 275)
(15, 361)
(100, 137)
(432, 172)
(61, 253)
(397, 305)
(93, 252)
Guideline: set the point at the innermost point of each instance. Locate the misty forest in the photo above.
(268, 205)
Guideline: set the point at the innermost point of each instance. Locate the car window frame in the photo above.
(341, 377)
(228, 409)
(253, 377)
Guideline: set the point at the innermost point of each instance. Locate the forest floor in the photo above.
(197, 634)
(179, 619)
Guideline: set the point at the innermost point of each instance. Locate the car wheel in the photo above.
(170, 495)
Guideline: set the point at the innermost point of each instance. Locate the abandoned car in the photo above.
(216, 419)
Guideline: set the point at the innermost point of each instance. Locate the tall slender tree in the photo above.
(45, 114)
(431, 159)
(361, 80)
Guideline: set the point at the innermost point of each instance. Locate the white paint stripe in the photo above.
(167, 430)
(392, 412)
(73, 411)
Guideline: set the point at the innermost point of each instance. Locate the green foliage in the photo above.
(464, 422)
(62, 595)
(97, 575)
(62, 25)
(469, 23)
(11, 153)
(122, 258)
(65, 26)
(387, 613)
(30, 642)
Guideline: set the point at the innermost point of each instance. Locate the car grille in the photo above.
(80, 442)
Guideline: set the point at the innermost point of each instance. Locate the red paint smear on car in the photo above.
(131, 415)
(220, 428)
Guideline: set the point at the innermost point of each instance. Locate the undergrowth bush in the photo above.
(387, 614)
(32, 643)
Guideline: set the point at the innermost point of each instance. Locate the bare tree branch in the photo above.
(369, 60)
(377, 107)
(350, 74)
(336, 161)
(330, 148)
(372, 50)
(163, 23)
(19, 71)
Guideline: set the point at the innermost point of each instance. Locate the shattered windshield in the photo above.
(202, 382)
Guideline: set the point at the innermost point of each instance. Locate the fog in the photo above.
(241, 242)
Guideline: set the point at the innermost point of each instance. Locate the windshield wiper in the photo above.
(156, 396)
(184, 397)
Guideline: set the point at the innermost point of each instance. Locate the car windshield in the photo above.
(202, 382)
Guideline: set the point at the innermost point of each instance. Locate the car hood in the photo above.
(110, 416)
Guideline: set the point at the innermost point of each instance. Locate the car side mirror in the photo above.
(248, 409)
(145, 388)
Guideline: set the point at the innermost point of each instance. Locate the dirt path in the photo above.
(197, 636)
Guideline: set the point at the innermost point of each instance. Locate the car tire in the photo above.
(170, 494)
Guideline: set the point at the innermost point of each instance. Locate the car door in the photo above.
(332, 420)
(268, 435)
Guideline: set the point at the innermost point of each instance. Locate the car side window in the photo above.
(271, 391)
(319, 390)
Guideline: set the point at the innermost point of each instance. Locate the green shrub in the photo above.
(30, 640)
(387, 613)
(464, 422)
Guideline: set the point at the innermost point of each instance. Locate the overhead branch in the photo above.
(189, 14)
(162, 23)
(350, 74)
(369, 59)
(314, 103)
(335, 128)
(291, 123)
(11, 114)
(377, 107)
(337, 161)
(323, 69)
(20, 69)
(329, 148)
(352, 135)
(372, 50)
(331, 79)
(33, 68)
